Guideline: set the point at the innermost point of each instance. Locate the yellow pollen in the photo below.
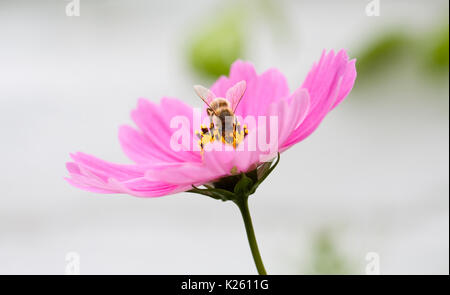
(208, 135)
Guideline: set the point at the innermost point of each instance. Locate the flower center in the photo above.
(232, 134)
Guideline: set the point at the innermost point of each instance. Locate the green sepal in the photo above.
(265, 174)
(245, 184)
(216, 193)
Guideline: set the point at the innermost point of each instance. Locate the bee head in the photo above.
(210, 112)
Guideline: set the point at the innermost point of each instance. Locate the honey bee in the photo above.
(221, 111)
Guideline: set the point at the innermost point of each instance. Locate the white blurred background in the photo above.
(372, 178)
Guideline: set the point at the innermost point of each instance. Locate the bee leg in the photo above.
(217, 134)
(234, 135)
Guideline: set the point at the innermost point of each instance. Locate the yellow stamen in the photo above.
(211, 134)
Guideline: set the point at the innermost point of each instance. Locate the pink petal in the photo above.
(139, 148)
(290, 113)
(260, 91)
(95, 175)
(152, 142)
(328, 83)
(215, 165)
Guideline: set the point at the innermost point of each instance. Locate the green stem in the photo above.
(242, 203)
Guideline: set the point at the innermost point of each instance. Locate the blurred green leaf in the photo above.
(436, 56)
(217, 44)
(430, 50)
(325, 256)
(381, 52)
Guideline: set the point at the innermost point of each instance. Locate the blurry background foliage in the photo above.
(217, 43)
(219, 40)
(326, 257)
(436, 53)
(429, 51)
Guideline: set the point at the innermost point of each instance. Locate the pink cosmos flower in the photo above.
(159, 170)
(233, 167)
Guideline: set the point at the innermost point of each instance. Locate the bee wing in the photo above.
(235, 94)
(204, 93)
